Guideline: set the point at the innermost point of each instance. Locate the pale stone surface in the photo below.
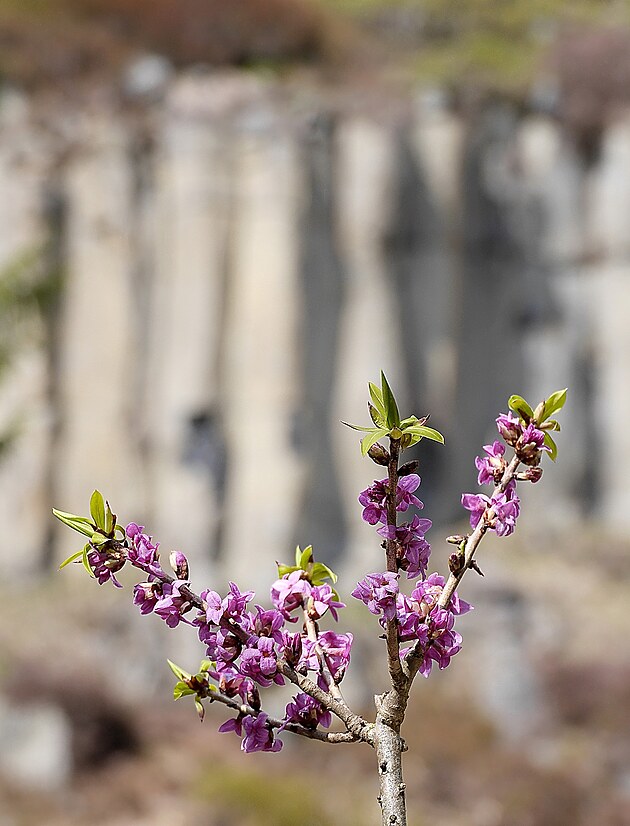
(24, 407)
(261, 384)
(612, 346)
(369, 334)
(187, 295)
(35, 746)
(98, 347)
(609, 189)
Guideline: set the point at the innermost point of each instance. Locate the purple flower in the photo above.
(477, 504)
(336, 648)
(233, 684)
(374, 503)
(506, 511)
(306, 712)
(374, 498)
(510, 428)
(235, 602)
(230, 609)
(268, 623)
(172, 604)
(291, 648)
(259, 662)
(491, 467)
(179, 564)
(221, 644)
(290, 593)
(143, 553)
(530, 445)
(405, 492)
(105, 563)
(444, 642)
(321, 599)
(214, 606)
(378, 592)
(413, 550)
(258, 735)
(427, 593)
(146, 595)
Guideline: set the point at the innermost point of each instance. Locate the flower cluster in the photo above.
(412, 548)
(251, 648)
(248, 649)
(418, 618)
(501, 510)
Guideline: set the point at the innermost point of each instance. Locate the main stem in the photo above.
(391, 706)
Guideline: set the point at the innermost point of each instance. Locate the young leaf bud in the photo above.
(456, 539)
(408, 467)
(378, 454)
(179, 564)
(455, 562)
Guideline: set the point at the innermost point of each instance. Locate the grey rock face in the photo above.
(235, 277)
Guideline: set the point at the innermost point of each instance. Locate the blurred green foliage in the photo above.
(269, 799)
(489, 42)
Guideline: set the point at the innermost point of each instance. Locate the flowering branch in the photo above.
(248, 650)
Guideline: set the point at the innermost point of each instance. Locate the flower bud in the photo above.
(179, 564)
(455, 562)
(408, 467)
(509, 428)
(378, 454)
(252, 696)
(532, 474)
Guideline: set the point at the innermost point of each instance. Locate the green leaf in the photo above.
(321, 572)
(520, 406)
(109, 519)
(70, 559)
(554, 403)
(97, 509)
(424, 432)
(77, 523)
(181, 690)
(200, 709)
(298, 555)
(178, 672)
(86, 563)
(98, 539)
(392, 416)
(372, 438)
(358, 427)
(306, 557)
(377, 398)
(376, 417)
(283, 570)
(205, 665)
(405, 423)
(552, 424)
(553, 448)
(121, 530)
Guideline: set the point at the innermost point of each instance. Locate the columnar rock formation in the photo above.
(237, 267)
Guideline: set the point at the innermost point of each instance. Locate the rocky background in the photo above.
(212, 237)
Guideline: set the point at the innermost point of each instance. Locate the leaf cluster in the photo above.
(541, 416)
(383, 411)
(101, 528)
(198, 684)
(315, 572)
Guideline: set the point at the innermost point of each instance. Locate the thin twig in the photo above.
(274, 722)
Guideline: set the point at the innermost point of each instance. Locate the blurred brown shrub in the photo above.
(42, 42)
